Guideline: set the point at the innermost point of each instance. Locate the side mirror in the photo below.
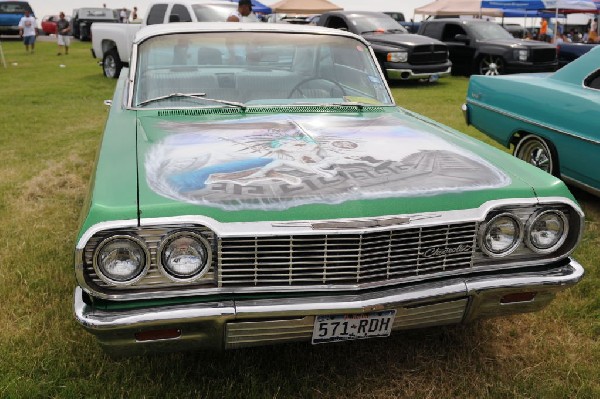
(174, 18)
(462, 38)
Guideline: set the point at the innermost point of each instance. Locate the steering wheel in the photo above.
(305, 81)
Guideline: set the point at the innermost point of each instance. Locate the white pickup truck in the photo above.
(112, 42)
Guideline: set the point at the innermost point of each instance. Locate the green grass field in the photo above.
(51, 121)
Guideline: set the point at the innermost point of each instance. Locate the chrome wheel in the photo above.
(491, 65)
(536, 151)
(111, 64)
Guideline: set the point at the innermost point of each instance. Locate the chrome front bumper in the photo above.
(239, 323)
(408, 74)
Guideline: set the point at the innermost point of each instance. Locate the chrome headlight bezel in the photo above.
(103, 274)
(397, 56)
(521, 54)
(531, 223)
(485, 230)
(172, 275)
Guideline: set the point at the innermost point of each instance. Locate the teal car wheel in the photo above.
(536, 151)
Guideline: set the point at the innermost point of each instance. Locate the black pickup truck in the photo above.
(484, 47)
(401, 55)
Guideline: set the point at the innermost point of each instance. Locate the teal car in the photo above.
(551, 120)
(256, 184)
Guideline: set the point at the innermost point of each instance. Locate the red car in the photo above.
(49, 24)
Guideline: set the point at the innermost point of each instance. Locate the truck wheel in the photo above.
(111, 64)
(491, 65)
(536, 151)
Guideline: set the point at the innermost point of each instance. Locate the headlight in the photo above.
(400, 56)
(185, 256)
(522, 54)
(547, 231)
(121, 260)
(501, 235)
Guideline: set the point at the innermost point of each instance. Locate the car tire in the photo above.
(537, 152)
(111, 64)
(491, 65)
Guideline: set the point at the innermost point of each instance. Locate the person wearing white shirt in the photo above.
(243, 13)
(28, 30)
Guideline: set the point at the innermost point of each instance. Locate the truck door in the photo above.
(461, 48)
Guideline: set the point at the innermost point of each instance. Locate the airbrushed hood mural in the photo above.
(278, 162)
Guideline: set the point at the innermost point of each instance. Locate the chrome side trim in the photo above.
(583, 186)
(530, 121)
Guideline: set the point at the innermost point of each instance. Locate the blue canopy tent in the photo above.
(558, 6)
(258, 7)
(565, 6)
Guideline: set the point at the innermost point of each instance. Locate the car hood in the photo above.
(403, 39)
(305, 166)
(517, 42)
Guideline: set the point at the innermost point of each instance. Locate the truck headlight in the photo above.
(121, 260)
(399, 56)
(184, 256)
(501, 235)
(546, 231)
(522, 54)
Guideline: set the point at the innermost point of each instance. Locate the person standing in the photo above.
(544, 30)
(63, 33)
(243, 13)
(28, 30)
(123, 15)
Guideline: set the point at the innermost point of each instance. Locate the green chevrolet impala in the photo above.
(256, 184)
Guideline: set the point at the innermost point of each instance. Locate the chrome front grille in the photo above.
(543, 55)
(345, 259)
(428, 54)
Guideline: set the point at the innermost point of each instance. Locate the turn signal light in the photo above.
(157, 335)
(518, 297)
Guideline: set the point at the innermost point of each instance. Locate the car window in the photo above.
(256, 68)
(489, 31)
(212, 12)
(377, 23)
(450, 32)
(156, 14)
(181, 12)
(593, 80)
(336, 23)
(14, 7)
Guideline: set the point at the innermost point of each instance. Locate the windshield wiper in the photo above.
(198, 96)
(356, 104)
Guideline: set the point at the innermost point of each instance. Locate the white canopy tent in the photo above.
(305, 7)
(457, 7)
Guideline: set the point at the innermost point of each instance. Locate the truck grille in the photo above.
(340, 259)
(543, 55)
(428, 54)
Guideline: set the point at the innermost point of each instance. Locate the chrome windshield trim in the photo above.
(530, 121)
(248, 28)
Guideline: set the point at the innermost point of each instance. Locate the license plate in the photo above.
(352, 326)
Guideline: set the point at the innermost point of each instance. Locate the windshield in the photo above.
(248, 68)
(14, 7)
(490, 31)
(377, 23)
(213, 12)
